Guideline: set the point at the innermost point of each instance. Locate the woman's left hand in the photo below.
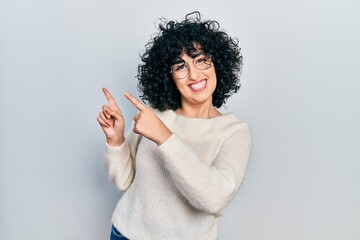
(148, 124)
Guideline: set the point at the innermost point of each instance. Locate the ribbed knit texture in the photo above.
(177, 190)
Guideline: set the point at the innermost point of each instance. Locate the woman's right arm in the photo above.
(119, 157)
(120, 161)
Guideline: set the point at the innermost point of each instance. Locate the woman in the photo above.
(183, 161)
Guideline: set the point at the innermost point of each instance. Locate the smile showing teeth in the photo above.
(196, 87)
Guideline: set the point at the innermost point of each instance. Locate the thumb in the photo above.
(115, 114)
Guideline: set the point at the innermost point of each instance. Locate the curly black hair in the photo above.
(156, 84)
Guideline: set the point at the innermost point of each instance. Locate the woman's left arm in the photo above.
(208, 187)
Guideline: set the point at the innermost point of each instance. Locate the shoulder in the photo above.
(220, 127)
(230, 125)
(161, 114)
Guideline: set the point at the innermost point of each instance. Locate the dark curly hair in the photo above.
(155, 79)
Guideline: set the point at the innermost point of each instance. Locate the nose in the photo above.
(193, 72)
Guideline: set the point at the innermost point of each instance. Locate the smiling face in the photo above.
(198, 86)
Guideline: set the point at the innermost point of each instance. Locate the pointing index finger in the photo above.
(110, 98)
(135, 102)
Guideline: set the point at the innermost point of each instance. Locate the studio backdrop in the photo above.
(299, 93)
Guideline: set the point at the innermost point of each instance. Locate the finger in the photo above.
(104, 118)
(110, 98)
(105, 112)
(104, 107)
(135, 102)
(136, 117)
(135, 130)
(102, 123)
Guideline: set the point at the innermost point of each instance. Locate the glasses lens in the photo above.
(180, 70)
(202, 62)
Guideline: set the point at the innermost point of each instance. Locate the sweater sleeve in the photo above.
(120, 161)
(208, 187)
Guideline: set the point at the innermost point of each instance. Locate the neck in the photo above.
(200, 111)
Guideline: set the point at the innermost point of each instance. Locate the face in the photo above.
(197, 88)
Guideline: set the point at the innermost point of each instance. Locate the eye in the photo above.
(179, 67)
(201, 60)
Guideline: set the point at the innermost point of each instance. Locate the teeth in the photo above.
(198, 85)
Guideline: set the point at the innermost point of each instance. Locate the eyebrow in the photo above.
(178, 60)
(195, 55)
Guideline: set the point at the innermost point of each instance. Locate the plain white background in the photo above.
(300, 94)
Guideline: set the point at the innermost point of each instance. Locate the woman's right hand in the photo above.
(112, 121)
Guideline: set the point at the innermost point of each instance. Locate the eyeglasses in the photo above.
(201, 61)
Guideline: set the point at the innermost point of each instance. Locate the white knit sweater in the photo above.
(177, 190)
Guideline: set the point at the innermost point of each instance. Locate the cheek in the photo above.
(214, 78)
(180, 85)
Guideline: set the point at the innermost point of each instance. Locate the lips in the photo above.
(198, 86)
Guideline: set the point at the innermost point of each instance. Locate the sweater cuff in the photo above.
(114, 151)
